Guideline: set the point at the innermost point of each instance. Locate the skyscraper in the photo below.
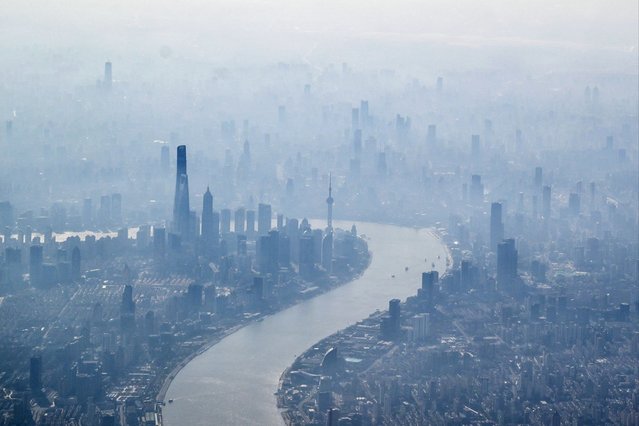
(429, 280)
(207, 217)
(538, 177)
(35, 264)
(128, 304)
(506, 261)
(496, 226)
(181, 210)
(225, 221)
(116, 208)
(394, 310)
(240, 220)
(574, 204)
(250, 223)
(476, 190)
(263, 218)
(329, 203)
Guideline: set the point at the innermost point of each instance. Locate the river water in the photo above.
(233, 382)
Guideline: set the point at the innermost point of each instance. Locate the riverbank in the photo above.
(321, 288)
(298, 385)
(237, 378)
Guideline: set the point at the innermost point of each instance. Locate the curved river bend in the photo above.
(233, 382)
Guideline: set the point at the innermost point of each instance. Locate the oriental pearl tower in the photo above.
(329, 203)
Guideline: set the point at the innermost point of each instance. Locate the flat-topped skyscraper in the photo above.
(181, 212)
(207, 217)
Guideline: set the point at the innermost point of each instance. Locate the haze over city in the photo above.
(262, 212)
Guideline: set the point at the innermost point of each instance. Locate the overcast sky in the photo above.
(325, 30)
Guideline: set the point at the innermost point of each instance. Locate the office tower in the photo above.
(194, 296)
(215, 227)
(87, 213)
(357, 142)
(496, 226)
(225, 221)
(355, 118)
(250, 223)
(285, 249)
(105, 210)
(75, 263)
(261, 251)
(506, 261)
(181, 210)
(545, 202)
(127, 310)
(35, 265)
(395, 316)
(431, 136)
(363, 113)
(258, 288)
(263, 218)
(306, 255)
(159, 242)
(13, 264)
(164, 159)
(574, 204)
(35, 373)
(391, 323)
(240, 220)
(429, 281)
(475, 147)
(273, 251)
(440, 84)
(149, 323)
(329, 204)
(538, 177)
(142, 237)
(116, 208)
(242, 249)
(476, 190)
(332, 417)
(318, 237)
(6, 214)
(108, 75)
(207, 217)
(128, 304)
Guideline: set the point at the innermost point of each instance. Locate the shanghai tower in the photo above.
(181, 215)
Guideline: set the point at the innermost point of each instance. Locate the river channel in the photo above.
(233, 382)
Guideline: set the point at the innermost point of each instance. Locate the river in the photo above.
(233, 382)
